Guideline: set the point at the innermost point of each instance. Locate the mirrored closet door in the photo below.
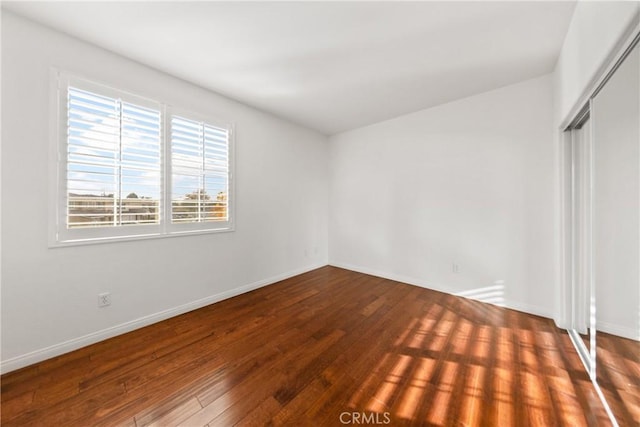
(615, 116)
(602, 236)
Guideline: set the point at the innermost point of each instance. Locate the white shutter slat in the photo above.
(92, 143)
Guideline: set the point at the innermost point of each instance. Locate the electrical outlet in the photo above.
(104, 299)
(455, 267)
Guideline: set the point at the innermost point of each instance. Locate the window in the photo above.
(199, 172)
(120, 176)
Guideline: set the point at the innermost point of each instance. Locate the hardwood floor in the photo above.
(618, 374)
(321, 349)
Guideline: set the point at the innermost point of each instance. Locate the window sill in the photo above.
(116, 239)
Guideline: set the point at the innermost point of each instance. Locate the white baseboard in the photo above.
(395, 277)
(514, 305)
(619, 330)
(530, 309)
(83, 341)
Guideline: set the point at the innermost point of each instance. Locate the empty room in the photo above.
(320, 213)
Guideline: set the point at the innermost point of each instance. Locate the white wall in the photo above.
(596, 28)
(470, 182)
(49, 296)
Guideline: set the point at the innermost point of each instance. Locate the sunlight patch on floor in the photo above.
(490, 294)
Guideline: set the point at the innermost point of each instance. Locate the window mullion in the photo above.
(201, 191)
(117, 199)
(166, 169)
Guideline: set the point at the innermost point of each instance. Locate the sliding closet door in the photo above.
(616, 236)
(581, 229)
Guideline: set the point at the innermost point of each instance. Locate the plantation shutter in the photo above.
(200, 171)
(113, 161)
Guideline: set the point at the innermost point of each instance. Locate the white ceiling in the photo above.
(331, 66)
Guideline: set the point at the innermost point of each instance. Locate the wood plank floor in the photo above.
(325, 347)
(618, 374)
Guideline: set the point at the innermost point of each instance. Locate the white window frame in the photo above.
(59, 234)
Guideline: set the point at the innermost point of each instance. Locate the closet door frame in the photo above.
(569, 261)
(582, 108)
(577, 175)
